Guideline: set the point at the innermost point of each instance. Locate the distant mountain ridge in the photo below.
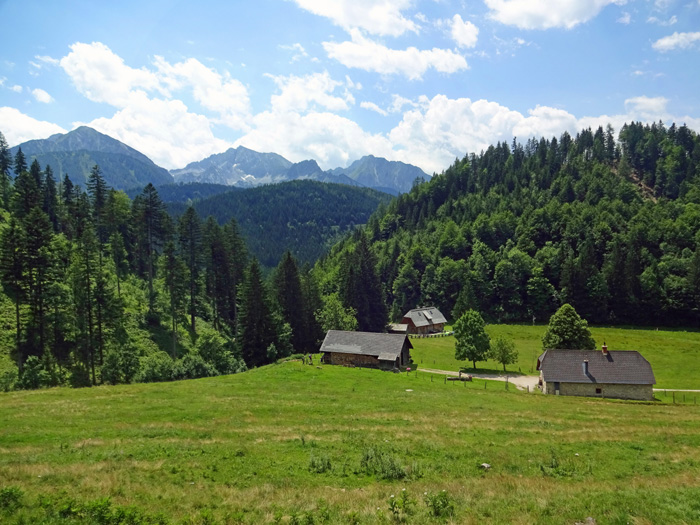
(243, 167)
(124, 168)
(75, 153)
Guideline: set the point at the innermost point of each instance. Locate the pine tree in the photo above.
(12, 268)
(287, 288)
(256, 328)
(50, 202)
(190, 231)
(5, 167)
(20, 162)
(174, 272)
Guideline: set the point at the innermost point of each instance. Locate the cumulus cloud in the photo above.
(463, 32)
(676, 41)
(42, 96)
(366, 54)
(164, 130)
(301, 93)
(379, 17)
(19, 128)
(216, 92)
(535, 14)
(330, 139)
(16, 88)
(654, 20)
(150, 117)
(298, 51)
(101, 75)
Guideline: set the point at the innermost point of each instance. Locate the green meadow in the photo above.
(292, 443)
(674, 354)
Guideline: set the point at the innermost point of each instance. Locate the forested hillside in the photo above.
(98, 288)
(305, 217)
(610, 226)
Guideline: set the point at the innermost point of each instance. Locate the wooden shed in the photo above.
(368, 349)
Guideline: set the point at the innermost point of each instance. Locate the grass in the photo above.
(674, 355)
(290, 443)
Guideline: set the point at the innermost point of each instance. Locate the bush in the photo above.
(439, 504)
(10, 498)
(33, 374)
(382, 464)
(219, 352)
(194, 366)
(319, 464)
(120, 365)
(156, 367)
(8, 375)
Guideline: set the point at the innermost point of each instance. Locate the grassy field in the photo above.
(674, 355)
(290, 443)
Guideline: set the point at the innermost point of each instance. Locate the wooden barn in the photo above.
(621, 374)
(368, 349)
(426, 320)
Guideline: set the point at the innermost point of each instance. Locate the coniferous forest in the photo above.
(101, 288)
(608, 224)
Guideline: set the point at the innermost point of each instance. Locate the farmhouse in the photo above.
(622, 374)
(426, 320)
(387, 351)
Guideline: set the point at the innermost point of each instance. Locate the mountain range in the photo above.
(76, 152)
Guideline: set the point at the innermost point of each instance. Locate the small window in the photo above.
(598, 390)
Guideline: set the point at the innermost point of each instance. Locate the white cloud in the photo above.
(649, 108)
(535, 14)
(625, 19)
(164, 130)
(654, 20)
(329, 139)
(363, 53)
(45, 59)
(42, 96)
(102, 76)
(464, 33)
(218, 93)
(19, 128)
(16, 88)
(373, 107)
(297, 49)
(301, 93)
(379, 17)
(149, 118)
(676, 41)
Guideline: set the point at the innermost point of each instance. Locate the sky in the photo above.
(419, 81)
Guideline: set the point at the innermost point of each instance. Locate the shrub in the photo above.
(440, 504)
(319, 464)
(156, 367)
(33, 374)
(194, 366)
(381, 464)
(10, 498)
(8, 375)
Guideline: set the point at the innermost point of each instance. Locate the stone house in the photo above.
(368, 349)
(426, 320)
(621, 374)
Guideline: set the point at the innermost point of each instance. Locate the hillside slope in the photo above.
(305, 217)
(518, 230)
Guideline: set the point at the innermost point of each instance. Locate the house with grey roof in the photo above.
(621, 374)
(426, 320)
(368, 349)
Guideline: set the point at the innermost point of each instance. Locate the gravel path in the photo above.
(520, 381)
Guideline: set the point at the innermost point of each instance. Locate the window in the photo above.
(598, 390)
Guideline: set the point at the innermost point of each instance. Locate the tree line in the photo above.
(100, 288)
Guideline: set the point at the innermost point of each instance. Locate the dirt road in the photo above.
(520, 381)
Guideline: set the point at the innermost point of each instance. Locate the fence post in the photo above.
(445, 380)
(674, 398)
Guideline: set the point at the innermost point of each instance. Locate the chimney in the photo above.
(605, 349)
(585, 367)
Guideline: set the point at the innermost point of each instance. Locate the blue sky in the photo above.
(421, 81)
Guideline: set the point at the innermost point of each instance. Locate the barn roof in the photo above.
(383, 346)
(616, 367)
(426, 316)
